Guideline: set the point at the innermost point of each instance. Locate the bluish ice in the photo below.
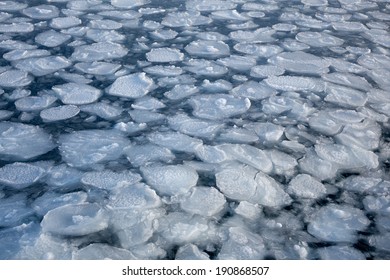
(194, 129)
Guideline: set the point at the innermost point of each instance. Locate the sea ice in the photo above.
(77, 94)
(141, 155)
(164, 55)
(110, 180)
(305, 186)
(131, 86)
(20, 175)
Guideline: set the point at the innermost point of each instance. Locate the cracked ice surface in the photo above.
(194, 129)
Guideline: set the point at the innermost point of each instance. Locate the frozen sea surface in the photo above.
(194, 129)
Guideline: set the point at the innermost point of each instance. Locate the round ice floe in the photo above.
(301, 62)
(205, 201)
(305, 186)
(99, 35)
(261, 35)
(239, 63)
(218, 106)
(337, 223)
(99, 51)
(170, 179)
(164, 55)
(175, 141)
(77, 94)
(242, 245)
(97, 68)
(210, 5)
(345, 96)
(164, 70)
(295, 83)
(88, 147)
(20, 175)
(163, 34)
(11, 6)
(51, 38)
(131, 86)
(34, 103)
(42, 12)
(205, 67)
(230, 15)
(258, 50)
(208, 49)
(103, 110)
(59, 113)
(185, 19)
(109, 180)
(65, 22)
(23, 142)
(319, 39)
(15, 78)
(253, 90)
(100, 251)
(138, 196)
(41, 66)
(75, 220)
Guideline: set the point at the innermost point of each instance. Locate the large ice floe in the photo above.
(194, 129)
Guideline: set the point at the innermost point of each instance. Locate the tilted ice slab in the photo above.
(305, 186)
(345, 96)
(23, 54)
(41, 66)
(175, 141)
(23, 142)
(99, 51)
(264, 71)
(253, 90)
(110, 180)
(148, 103)
(336, 223)
(164, 55)
(300, 62)
(87, 148)
(205, 201)
(75, 220)
(131, 86)
(77, 94)
(59, 113)
(208, 49)
(218, 106)
(245, 183)
(15, 78)
(170, 179)
(349, 80)
(20, 175)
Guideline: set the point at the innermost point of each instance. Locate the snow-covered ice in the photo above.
(194, 130)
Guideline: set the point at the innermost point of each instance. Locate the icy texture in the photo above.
(164, 55)
(89, 147)
(77, 94)
(14, 78)
(109, 179)
(20, 175)
(131, 86)
(205, 201)
(59, 113)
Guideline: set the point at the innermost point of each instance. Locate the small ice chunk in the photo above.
(317, 167)
(42, 66)
(305, 186)
(23, 54)
(128, 4)
(75, 220)
(175, 141)
(267, 132)
(20, 175)
(208, 49)
(147, 103)
(77, 94)
(230, 15)
(23, 142)
(283, 164)
(144, 116)
(99, 35)
(59, 113)
(379, 205)
(205, 201)
(216, 86)
(238, 63)
(238, 135)
(248, 210)
(97, 67)
(190, 252)
(164, 70)
(140, 155)
(170, 179)
(51, 200)
(110, 180)
(12, 6)
(100, 251)
(260, 35)
(164, 55)
(218, 106)
(17, 27)
(319, 39)
(242, 245)
(264, 71)
(163, 34)
(345, 96)
(51, 38)
(185, 19)
(359, 183)
(337, 223)
(340, 253)
(99, 51)
(265, 50)
(86, 148)
(104, 24)
(131, 86)
(15, 78)
(181, 92)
